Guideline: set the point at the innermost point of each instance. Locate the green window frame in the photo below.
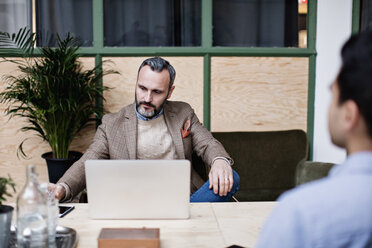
(206, 50)
(355, 24)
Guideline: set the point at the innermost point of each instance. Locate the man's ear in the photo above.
(351, 115)
(170, 92)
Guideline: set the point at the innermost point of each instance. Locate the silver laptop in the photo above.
(138, 189)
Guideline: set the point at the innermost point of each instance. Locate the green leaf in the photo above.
(4, 191)
(23, 41)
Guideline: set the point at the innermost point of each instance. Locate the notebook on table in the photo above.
(138, 189)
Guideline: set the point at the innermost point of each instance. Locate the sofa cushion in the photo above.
(265, 161)
(308, 171)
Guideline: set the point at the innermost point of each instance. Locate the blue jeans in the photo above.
(205, 194)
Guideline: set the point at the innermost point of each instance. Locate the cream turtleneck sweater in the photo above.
(154, 140)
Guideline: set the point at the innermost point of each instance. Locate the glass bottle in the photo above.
(53, 211)
(32, 213)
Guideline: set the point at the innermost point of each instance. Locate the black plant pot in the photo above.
(5, 221)
(58, 167)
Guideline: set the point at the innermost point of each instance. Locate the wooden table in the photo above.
(209, 225)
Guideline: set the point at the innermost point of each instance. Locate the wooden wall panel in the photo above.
(188, 83)
(11, 137)
(258, 93)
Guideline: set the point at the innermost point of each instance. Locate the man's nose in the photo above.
(148, 97)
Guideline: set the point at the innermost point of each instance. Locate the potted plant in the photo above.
(54, 94)
(5, 210)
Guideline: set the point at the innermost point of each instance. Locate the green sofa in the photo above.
(268, 163)
(265, 161)
(308, 171)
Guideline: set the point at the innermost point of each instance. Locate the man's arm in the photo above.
(214, 154)
(73, 181)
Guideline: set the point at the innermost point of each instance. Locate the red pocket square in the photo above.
(186, 129)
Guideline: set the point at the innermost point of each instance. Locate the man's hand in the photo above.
(59, 190)
(221, 177)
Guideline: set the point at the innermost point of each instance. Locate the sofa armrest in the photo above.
(308, 171)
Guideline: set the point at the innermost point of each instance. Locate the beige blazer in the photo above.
(116, 138)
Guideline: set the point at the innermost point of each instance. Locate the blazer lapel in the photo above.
(174, 127)
(130, 132)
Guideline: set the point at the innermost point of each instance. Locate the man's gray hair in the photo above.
(159, 64)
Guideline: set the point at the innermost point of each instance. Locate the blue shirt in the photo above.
(332, 212)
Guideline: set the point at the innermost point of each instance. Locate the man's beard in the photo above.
(151, 114)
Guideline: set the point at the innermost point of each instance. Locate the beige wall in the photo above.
(258, 93)
(247, 93)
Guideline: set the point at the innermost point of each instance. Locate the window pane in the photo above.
(152, 23)
(366, 15)
(259, 23)
(14, 15)
(63, 16)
